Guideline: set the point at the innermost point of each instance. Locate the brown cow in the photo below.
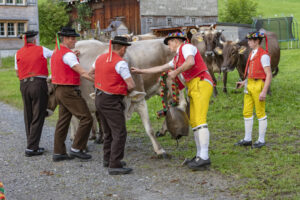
(207, 41)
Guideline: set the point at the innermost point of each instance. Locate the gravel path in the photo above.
(41, 179)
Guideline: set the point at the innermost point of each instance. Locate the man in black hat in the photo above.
(31, 68)
(113, 81)
(66, 73)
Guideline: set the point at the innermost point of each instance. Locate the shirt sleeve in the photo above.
(16, 65)
(265, 60)
(47, 52)
(171, 63)
(123, 69)
(188, 50)
(70, 59)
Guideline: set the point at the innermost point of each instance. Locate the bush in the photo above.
(84, 13)
(239, 11)
(52, 16)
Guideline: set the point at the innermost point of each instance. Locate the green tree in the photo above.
(52, 16)
(84, 13)
(239, 11)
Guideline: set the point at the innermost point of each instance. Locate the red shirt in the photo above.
(106, 77)
(31, 61)
(63, 74)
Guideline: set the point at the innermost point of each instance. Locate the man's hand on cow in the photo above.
(77, 53)
(262, 96)
(240, 84)
(135, 70)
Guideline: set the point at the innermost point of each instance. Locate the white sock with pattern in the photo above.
(196, 137)
(262, 129)
(204, 142)
(248, 128)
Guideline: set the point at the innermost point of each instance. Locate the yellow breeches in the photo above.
(254, 88)
(199, 93)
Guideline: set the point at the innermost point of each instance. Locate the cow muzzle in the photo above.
(209, 53)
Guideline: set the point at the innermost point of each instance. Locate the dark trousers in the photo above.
(35, 99)
(111, 113)
(71, 103)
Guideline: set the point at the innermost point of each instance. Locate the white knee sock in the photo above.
(262, 129)
(203, 136)
(248, 128)
(196, 137)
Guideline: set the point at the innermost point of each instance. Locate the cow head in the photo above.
(207, 40)
(231, 54)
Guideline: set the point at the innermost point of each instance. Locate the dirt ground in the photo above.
(41, 179)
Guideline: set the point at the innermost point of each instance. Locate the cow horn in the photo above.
(221, 42)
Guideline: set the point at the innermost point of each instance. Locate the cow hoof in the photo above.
(159, 134)
(164, 156)
(98, 140)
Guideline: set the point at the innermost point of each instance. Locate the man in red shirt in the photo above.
(66, 72)
(31, 69)
(113, 81)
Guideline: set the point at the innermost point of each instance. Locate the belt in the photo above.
(98, 92)
(31, 79)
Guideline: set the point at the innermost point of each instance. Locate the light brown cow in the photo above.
(143, 54)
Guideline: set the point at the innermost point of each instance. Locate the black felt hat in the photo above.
(68, 31)
(29, 34)
(120, 40)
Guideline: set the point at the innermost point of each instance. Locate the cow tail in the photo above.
(275, 72)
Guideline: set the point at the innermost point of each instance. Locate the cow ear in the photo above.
(242, 50)
(193, 31)
(199, 38)
(136, 96)
(135, 38)
(218, 51)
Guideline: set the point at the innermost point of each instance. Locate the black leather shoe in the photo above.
(119, 171)
(258, 144)
(61, 157)
(106, 163)
(38, 152)
(198, 164)
(243, 143)
(188, 160)
(80, 155)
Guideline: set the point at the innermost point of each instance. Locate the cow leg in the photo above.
(94, 127)
(74, 127)
(142, 110)
(99, 139)
(211, 72)
(225, 82)
(163, 130)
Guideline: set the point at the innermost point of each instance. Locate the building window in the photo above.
(21, 28)
(2, 31)
(149, 20)
(9, 1)
(193, 20)
(20, 2)
(169, 21)
(10, 29)
(1, 1)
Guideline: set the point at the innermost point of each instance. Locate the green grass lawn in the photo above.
(272, 172)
